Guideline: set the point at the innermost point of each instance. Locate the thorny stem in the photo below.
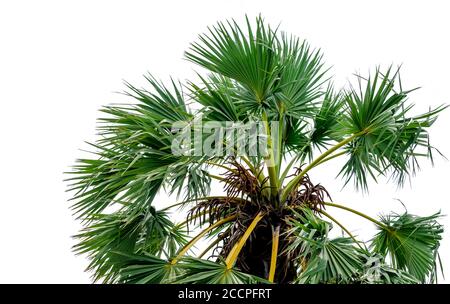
(330, 157)
(280, 138)
(270, 161)
(219, 178)
(293, 183)
(342, 227)
(199, 236)
(234, 253)
(273, 258)
(378, 223)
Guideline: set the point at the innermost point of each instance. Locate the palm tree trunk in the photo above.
(256, 255)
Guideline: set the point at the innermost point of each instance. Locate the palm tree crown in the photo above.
(271, 225)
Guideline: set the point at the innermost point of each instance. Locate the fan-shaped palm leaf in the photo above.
(200, 271)
(410, 242)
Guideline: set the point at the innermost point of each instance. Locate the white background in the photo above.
(60, 61)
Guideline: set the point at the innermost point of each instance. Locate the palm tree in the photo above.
(273, 223)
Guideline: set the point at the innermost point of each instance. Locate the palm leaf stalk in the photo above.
(270, 225)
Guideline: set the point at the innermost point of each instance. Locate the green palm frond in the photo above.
(247, 56)
(134, 155)
(189, 175)
(148, 269)
(322, 260)
(376, 271)
(118, 174)
(108, 234)
(301, 76)
(297, 139)
(410, 243)
(326, 121)
(331, 261)
(217, 94)
(161, 104)
(200, 271)
(160, 236)
(271, 70)
(392, 139)
(302, 136)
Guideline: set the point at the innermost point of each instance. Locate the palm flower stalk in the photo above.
(272, 223)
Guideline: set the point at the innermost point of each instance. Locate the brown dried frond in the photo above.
(212, 210)
(241, 182)
(308, 194)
